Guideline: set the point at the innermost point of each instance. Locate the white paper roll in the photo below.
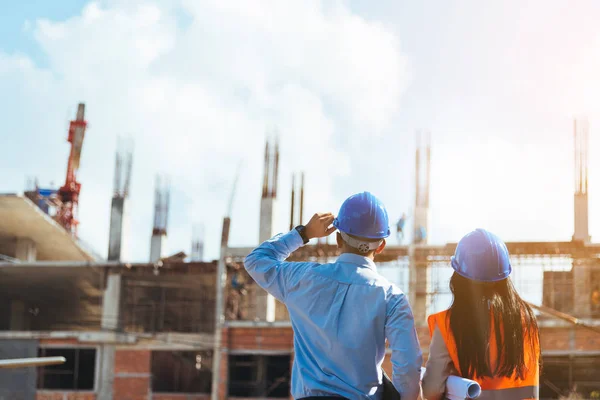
(458, 388)
(461, 388)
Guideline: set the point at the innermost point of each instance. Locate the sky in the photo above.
(199, 85)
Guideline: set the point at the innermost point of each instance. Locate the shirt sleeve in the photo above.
(267, 267)
(439, 367)
(407, 357)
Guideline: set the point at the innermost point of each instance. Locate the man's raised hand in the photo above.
(320, 225)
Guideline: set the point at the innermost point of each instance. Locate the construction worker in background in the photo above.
(420, 234)
(400, 228)
(342, 312)
(236, 292)
(489, 334)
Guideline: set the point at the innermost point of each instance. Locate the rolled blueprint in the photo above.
(458, 388)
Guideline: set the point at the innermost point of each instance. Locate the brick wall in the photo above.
(70, 342)
(47, 395)
(555, 338)
(133, 367)
(223, 375)
(132, 375)
(255, 339)
(258, 338)
(177, 396)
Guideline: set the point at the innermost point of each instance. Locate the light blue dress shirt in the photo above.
(341, 314)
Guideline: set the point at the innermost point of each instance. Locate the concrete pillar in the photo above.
(157, 246)
(111, 302)
(265, 303)
(421, 219)
(419, 288)
(582, 289)
(25, 250)
(267, 213)
(107, 372)
(118, 228)
(581, 231)
(18, 316)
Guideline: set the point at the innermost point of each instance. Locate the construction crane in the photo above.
(68, 194)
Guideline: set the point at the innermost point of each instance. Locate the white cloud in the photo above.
(197, 83)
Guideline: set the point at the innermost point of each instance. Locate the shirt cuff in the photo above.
(293, 240)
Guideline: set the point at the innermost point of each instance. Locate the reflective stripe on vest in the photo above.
(518, 393)
(499, 387)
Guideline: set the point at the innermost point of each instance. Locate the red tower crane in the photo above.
(68, 194)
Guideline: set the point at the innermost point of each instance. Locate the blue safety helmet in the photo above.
(482, 256)
(363, 215)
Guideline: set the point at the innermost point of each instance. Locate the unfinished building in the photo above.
(134, 331)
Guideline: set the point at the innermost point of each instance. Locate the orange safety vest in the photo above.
(498, 388)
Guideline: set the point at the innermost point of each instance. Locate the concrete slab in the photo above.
(21, 218)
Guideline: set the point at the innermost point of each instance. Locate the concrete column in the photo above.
(419, 288)
(25, 250)
(267, 213)
(157, 246)
(582, 289)
(111, 302)
(118, 229)
(581, 231)
(265, 303)
(107, 372)
(18, 316)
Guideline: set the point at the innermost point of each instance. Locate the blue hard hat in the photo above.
(482, 256)
(363, 215)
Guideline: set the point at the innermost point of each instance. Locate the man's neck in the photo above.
(370, 255)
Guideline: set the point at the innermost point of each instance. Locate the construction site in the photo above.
(179, 328)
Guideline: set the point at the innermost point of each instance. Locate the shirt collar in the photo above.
(357, 260)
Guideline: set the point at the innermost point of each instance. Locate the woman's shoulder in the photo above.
(438, 319)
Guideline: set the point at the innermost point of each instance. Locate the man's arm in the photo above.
(266, 265)
(407, 357)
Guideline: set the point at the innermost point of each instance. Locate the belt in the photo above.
(323, 398)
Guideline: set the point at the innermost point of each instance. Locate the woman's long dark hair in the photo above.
(515, 327)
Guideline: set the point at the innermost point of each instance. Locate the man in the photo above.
(342, 312)
(400, 228)
(235, 295)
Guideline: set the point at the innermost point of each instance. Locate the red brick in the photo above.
(586, 339)
(81, 396)
(555, 338)
(132, 361)
(49, 395)
(180, 396)
(52, 395)
(131, 388)
(224, 375)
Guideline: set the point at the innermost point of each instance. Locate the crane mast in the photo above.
(69, 193)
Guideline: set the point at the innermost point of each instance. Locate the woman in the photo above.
(489, 334)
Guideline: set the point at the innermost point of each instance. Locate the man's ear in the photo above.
(339, 240)
(381, 247)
